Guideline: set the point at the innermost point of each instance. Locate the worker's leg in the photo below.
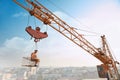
(37, 62)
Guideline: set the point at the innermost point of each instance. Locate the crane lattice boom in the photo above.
(48, 18)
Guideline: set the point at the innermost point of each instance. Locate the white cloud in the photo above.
(52, 52)
(13, 50)
(67, 18)
(59, 51)
(20, 14)
(104, 19)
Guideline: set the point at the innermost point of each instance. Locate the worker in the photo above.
(34, 57)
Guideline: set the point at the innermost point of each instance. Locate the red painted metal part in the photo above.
(36, 33)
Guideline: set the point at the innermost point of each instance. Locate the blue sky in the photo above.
(100, 16)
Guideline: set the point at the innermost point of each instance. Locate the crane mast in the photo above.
(48, 18)
(111, 65)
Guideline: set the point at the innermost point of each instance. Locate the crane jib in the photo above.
(48, 18)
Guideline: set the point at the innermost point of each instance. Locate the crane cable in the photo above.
(79, 24)
(35, 26)
(35, 22)
(114, 57)
(28, 20)
(36, 47)
(75, 20)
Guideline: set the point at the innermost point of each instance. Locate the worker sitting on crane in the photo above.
(34, 57)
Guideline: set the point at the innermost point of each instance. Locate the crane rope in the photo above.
(35, 22)
(113, 54)
(75, 20)
(46, 28)
(36, 47)
(28, 20)
(95, 34)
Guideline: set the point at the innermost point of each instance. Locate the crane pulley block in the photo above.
(36, 34)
